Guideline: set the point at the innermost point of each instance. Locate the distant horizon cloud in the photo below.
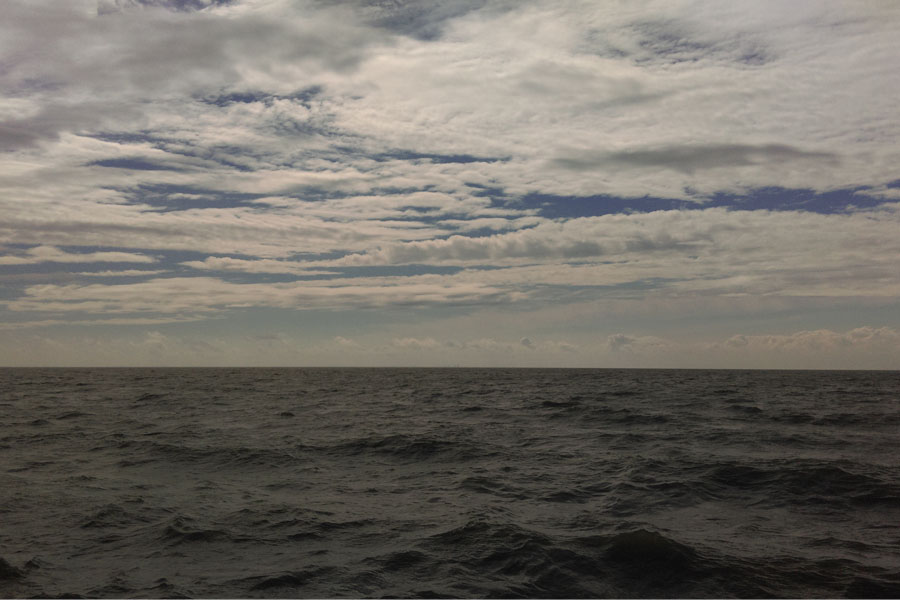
(863, 348)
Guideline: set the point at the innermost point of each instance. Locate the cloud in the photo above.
(115, 56)
(109, 322)
(665, 254)
(50, 254)
(224, 263)
(111, 6)
(466, 347)
(122, 273)
(712, 251)
(869, 338)
(862, 347)
(620, 342)
(416, 343)
(689, 159)
(421, 19)
(211, 295)
(428, 158)
(346, 342)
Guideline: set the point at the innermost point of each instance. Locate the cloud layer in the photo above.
(413, 166)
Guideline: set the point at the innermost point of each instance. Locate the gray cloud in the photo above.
(20, 135)
(619, 340)
(128, 62)
(421, 19)
(678, 40)
(52, 119)
(690, 159)
(110, 6)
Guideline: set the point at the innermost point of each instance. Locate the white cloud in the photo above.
(122, 273)
(346, 342)
(50, 254)
(860, 348)
(209, 294)
(416, 343)
(621, 342)
(869, 338)
(712, 251)
(548, 80)
(224, 263)
(671, 254)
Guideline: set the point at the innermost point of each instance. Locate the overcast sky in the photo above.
(595, 183)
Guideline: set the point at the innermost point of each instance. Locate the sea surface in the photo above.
(449, 483)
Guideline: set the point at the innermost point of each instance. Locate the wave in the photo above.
(7, 571)
(181, 531)
(411, 448)
(866, 587)
(638, 562)
(72, 414)
(111, 516)
(492, 486)
(802, 482)
(146, 451)
(295, 579)
(579, 494)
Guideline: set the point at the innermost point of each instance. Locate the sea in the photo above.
(448, 483)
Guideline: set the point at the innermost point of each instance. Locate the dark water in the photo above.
(456, 482)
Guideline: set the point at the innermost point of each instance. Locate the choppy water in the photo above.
(455, 482)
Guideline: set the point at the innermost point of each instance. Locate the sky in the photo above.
(604, 183)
